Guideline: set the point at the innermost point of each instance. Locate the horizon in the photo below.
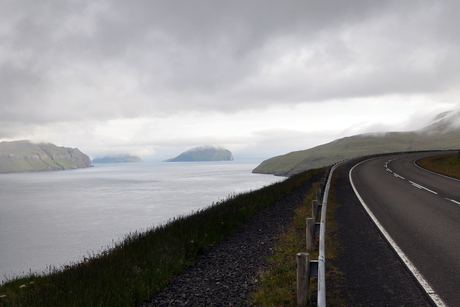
(154, 79)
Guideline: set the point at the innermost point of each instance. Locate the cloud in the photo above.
(222, 56)
(87, 65)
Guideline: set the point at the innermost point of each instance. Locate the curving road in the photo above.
(420, 212)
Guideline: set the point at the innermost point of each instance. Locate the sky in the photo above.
(260, 78)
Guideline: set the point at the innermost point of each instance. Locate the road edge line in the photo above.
(415, 272)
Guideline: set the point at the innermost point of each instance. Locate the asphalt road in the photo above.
(420, 211)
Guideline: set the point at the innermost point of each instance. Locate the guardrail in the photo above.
(307, 268)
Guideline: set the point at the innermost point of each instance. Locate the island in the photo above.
(204, 153)
(118, 159)
(25, 156)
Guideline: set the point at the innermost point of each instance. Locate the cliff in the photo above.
(24, 156)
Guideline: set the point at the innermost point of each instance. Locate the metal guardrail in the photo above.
(307, 268)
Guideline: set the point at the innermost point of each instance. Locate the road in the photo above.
(420, 211)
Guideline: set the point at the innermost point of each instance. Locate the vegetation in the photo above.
(143, 263)
(442, 134)
(24, 156)
(203, 154)
(118, 159)
(277, 285)
(448, 165)
(356, 146)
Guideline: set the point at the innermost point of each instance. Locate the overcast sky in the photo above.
(260, 78)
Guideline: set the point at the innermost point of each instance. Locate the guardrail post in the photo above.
(323, 181)
(303, 279)
(310, 234)
(314, 209)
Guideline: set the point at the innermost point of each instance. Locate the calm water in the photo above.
(54, 218)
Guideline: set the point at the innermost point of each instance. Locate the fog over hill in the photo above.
(204, 153)
(443, 133)
(118, 159)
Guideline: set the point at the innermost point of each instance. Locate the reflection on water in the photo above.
(53, 218)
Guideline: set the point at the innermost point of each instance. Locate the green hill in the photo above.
(118, 159)
(442, 134)
(203, 154)
(24, 156)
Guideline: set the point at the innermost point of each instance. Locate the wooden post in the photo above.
(318, 195)
(323, 181)
(303, 279)
(310, 234)
(314, 209)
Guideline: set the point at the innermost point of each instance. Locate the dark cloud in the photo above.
(74, 60)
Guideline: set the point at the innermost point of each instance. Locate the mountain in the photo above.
(118, 159)
(442, 133)
(206, 153)
(24, 156)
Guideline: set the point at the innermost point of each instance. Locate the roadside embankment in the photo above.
(363, 269)
(448, 165)
(228, 273)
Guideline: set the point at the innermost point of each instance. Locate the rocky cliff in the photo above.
(25, 156)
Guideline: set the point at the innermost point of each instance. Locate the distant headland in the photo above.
(118, 159)
(25, 156)
(205, 153)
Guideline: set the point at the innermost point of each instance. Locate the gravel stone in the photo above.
(227, 274)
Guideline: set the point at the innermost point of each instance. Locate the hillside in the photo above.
(203, 154)
(24, 156)
(443, 133)
(118, 159)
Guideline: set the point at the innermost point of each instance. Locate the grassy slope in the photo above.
(277, 284)
(355, 146)
(448, 165)
(203, 154)
(23, 156)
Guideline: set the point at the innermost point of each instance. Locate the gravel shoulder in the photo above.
(372, 273)
(227, 274)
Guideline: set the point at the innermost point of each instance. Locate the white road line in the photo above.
(454, 201)
(396, 175)
(422, 187)
(418, 276)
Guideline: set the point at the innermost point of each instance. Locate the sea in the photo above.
(52, 219)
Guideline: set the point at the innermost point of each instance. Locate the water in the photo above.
(56, 218)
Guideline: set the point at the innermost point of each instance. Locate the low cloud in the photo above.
(74, 67)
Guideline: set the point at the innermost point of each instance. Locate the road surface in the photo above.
(420, 211)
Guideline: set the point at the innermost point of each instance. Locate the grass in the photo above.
(24, 156)
(355, 146)
(277, 284)
(448, 165)
(136, 268)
